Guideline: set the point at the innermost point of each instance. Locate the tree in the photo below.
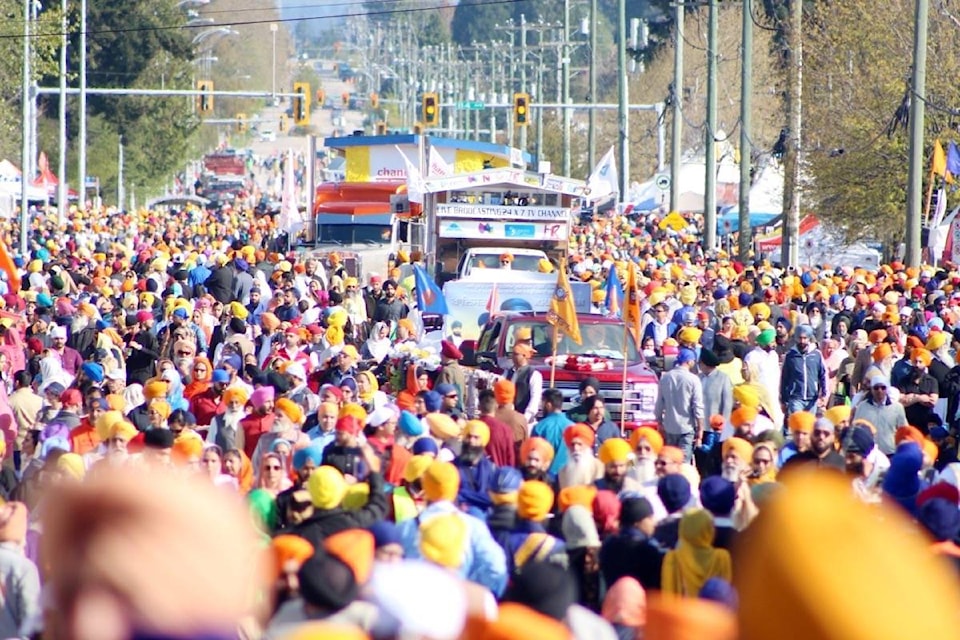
(855, 66)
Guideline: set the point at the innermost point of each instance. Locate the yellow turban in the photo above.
(155, 389)
(760, 310)
(936, 340)
(614, 450)
(746, 396)
(327, 487)
(838, 414)
(72, 464)
(443, 540)
(238, 311)
(442, 426)
(535, 500)
(441, 482)
(478, 428)
(818, 591)
(739, 446)
(651, 435)
(689, 335)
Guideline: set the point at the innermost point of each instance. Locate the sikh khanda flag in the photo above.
(429, 296)
(631, 300)
(563, 313)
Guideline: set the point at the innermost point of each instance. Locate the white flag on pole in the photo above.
(603, 182)
(437, 165)
(415, 186)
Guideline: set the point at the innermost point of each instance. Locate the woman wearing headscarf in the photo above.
(273, 476)
(200, 378)
(237, 465)
(377, 347)
(764, 464)
(625, 607)
(368, 392)
(695, 560)
(175, 390)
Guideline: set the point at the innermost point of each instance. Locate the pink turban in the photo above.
(261, 396)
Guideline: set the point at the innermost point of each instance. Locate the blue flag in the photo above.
(429, 296)
(614, 292)
(953, 160)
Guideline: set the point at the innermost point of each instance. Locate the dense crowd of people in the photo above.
(207, 435)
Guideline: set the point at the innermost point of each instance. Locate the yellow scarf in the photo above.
(367, 397)
(695, 560)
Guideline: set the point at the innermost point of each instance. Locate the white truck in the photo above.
(483, 259)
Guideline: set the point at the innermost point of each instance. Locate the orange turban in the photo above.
(288, 548)
(355, 548)
(922, 357)
(187, 448)
(582, 495)
(579, 431)
(801, 421)
(543, 447)
(882, 352)
(504, 391)
(651, 435)
(877, 336)
(908, 434)
(673, 454)
(238, 394)
(742, 415)
(741, 447)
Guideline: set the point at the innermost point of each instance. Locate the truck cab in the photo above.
(600, 356)
(484, 258)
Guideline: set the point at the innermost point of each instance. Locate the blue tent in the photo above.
(729, 219)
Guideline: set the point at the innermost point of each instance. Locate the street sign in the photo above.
(663, 181)
(470, 105)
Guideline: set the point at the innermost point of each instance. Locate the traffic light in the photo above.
(374, 101)
(521, 109)
(301, 104)
(381, 128)
(284, 123)
(241, 122)
(431, 110)
(205, 99)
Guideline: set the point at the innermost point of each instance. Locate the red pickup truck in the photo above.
(600, 356)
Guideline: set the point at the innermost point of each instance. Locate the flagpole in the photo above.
(623, 385)
(553, 360)
(926, 209)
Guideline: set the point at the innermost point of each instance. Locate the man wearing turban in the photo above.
(582, 467)
(614, 455)
(536, 456)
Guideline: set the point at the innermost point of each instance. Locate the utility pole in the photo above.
(917, 108)
(745, 239)
(82, 138)
(510, 88)
(623, 113)
(523, 73)
(62, 202)
(592, 130)
(676, 138)
(539, 98)
(710, 132)
(25, 98)
(565, 96)
(120, 193)
(790, 246)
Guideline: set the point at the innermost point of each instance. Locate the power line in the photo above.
(241, 23)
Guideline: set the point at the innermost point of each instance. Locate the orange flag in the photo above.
(631, 300)
(563, 311)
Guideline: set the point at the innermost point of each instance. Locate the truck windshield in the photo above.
(599, 339)
(492, 261)
(354, 234)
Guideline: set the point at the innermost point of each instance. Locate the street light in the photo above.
(203, 35)
(273, 30)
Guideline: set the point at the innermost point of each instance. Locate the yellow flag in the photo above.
(631, 300)
(563, 312)
(939, 164)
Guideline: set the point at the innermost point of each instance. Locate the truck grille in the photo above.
(641, 398)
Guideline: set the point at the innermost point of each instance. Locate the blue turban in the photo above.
(313, 452)
(384, 533)
(433, 401)
(425, 445)
(93, 371)
(410, 424)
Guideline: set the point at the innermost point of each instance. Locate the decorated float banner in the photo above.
(468, 300)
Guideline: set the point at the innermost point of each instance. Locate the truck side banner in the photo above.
(467, 301)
